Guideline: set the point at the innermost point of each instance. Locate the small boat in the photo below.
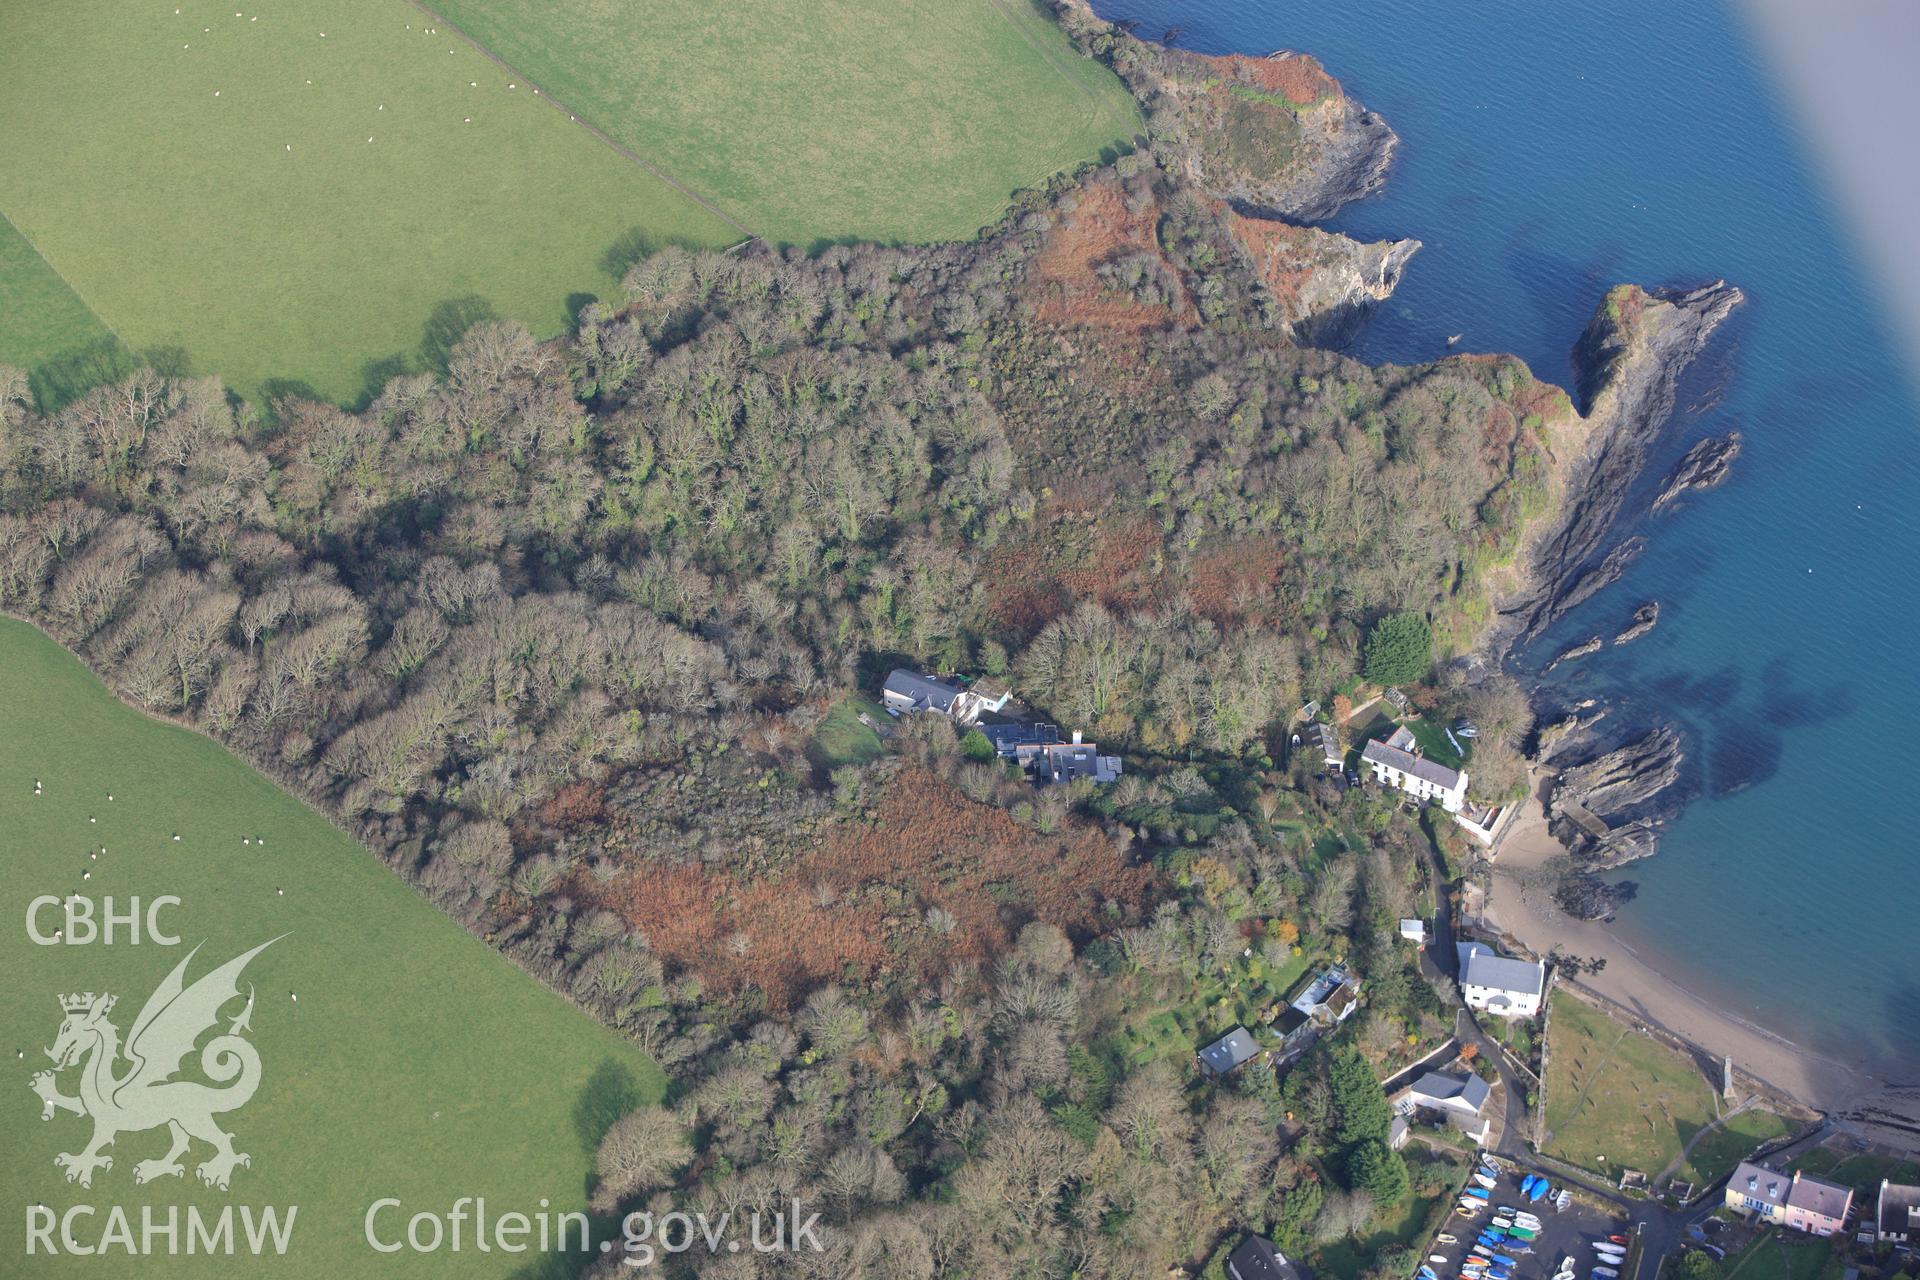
(1525, 1233)
(1605, 1273)
(1440, 1258)
(1610, 1258)
(1526, 1219)
(1453, 339)
(1443, 1238)
(1484, 1180)
(1478, 1193)
(1540, 1188)
(1618, 1239)
(1527, 1183)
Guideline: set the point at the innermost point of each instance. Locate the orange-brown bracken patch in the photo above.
(1295, 76)
(1280, 255)
(855, 906)
(1063, 285)
(1231, 583)
(1066, 561)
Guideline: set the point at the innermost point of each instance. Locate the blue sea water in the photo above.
(1548, 151)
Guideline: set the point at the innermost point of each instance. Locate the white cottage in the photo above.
(1397, 762)
(1499, 985)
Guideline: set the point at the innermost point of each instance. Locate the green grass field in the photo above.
(1618, 1100)
(825, 120)
(46, 329)
(417, 1062)
(314, 198)
(258, 234)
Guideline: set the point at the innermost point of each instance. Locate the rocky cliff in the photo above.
(1324, 286)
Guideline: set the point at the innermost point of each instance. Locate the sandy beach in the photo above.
(1519, 905)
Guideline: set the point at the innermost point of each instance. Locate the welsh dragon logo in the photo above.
(145, 1095)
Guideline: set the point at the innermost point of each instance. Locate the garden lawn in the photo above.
(417, 1063)
(842, 739)
(819, 121)
(1775, 1257)
(312, 195)
(1616, 1098)
(1399, 1227)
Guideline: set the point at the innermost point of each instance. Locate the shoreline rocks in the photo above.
(1703, 466)
(1580, 650)
(1601, 808)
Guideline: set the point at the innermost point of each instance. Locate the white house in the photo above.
(1500, 985)
(1397, 762)
(1456, 1100)
(1898, 1218)
(907, 691)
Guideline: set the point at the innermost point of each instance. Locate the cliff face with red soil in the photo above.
(1324, 286)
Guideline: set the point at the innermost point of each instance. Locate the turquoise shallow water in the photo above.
(1549, 151)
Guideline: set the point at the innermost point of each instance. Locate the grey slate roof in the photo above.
(1325, 741)
(1815, 1195)
(1899, 1209)
(923, 691)
(1258, 1259)
(1482, 968)
(1007, 737)
(1441, 1087)
(1229, 1051)
(1407, 762)
(1757, 1182)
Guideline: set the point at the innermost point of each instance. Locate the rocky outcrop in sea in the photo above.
(1645, 618)
(1704, 466)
